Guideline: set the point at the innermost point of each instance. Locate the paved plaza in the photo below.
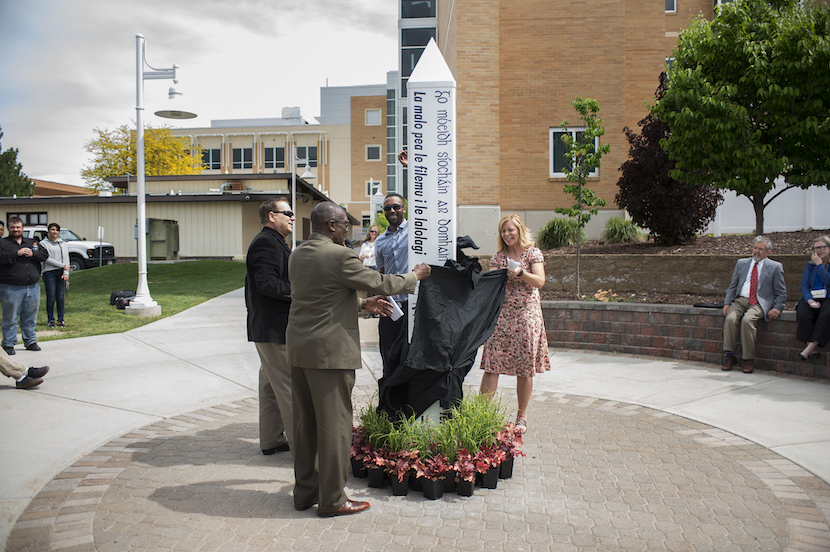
(149, 441)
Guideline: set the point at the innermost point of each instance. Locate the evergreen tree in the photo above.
(12, 179)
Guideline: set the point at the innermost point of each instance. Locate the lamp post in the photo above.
(307, 175)
(143, 304)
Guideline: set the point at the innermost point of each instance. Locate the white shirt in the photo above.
(748, 279)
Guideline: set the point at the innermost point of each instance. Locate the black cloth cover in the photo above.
(457, 310)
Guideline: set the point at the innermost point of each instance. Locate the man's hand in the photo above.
(773, 314)
(422, 270)
(24, 252)
(725, 310)
(378, 305)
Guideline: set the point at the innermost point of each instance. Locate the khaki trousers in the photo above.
(322, 434)
(275, 425)
(742, 318)
(10, 368)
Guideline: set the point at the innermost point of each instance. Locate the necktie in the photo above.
(753, 285)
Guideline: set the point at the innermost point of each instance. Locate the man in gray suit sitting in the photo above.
(323, 343)
(757, 291)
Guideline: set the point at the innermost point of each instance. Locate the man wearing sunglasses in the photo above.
(268, 298)
(392, 257)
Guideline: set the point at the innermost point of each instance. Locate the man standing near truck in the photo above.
(20, 263)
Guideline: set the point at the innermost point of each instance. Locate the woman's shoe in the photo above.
(50, 324)
(521, 425)
(801, 358)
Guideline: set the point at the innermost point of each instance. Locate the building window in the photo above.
(558, 162)
(243, 158)
(671, 6)
(29, 219)
(372, 153)
(669, 63)
(373, 117)
(721, 2)
(413, 42)
(372, 187)
(307, 153)
(417, 8)
(211, 159)
(274, 158)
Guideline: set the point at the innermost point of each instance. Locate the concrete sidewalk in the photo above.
(111, 403)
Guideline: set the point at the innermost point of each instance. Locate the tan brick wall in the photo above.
(518, 69)
(363, 136)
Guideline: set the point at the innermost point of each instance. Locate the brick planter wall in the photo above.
(672, 331)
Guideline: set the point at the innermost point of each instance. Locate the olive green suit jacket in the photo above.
(322, 328)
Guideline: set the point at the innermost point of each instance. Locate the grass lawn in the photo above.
(176, 287)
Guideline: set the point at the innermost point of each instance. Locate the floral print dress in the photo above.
(518, 346)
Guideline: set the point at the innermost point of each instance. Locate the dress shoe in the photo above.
(28, 382)
(802, 358)
(282, 448)
(33, 347)
(304, 507)
(728, 363)
(349, 507)
(749, 366)
(37, 372)
(9, 350)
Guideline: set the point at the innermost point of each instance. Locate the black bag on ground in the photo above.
(121, 298)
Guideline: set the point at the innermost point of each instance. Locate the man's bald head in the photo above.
(323, 213)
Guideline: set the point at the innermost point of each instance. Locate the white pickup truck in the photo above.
(82, 253)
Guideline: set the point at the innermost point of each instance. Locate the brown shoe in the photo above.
(749, 366)
(728, 363)
(349, 507)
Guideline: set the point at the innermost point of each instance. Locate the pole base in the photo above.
(143, 311)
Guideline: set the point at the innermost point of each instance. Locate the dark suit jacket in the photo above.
(322, 325)
(772, 291)
(267, 291)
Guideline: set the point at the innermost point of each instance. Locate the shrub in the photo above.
(558, 232)
(673, 211)
(620, 230)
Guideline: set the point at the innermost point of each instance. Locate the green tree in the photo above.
(583, 158)
(749, 100)
(114, 155)
(12, 179)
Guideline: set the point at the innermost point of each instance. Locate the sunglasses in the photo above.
(388, 208)
(289, 214)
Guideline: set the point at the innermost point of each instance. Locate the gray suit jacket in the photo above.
(772, 291)
(322, 328)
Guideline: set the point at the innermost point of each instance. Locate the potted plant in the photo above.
(465, 470)
(510, 442)
(433, 471)
(359, 451)
(487, 461)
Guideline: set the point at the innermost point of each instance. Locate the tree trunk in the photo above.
(758, 205)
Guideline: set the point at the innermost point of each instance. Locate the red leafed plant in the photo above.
(510, 441)
(399, 463)
(465, 466)
(433, 468)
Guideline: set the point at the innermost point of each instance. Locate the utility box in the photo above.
(163, 240)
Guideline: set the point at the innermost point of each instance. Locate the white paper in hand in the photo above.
(396, 310)
(513, 265)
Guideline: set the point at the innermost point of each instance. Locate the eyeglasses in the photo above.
(819, 247)
(289, 214)
(373, 231)
(388, 208)
(343, 221)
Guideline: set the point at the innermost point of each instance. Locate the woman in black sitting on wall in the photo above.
(813, 310)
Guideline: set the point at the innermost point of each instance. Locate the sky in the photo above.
(68, 67)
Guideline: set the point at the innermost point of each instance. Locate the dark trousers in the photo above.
(393, 335)
(813, 324)
(55, 292)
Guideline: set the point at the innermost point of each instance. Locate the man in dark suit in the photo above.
(324, 352)
(757, 291)
(268, 298)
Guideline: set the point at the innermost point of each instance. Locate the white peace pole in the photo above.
(432, 182)
(431, 151)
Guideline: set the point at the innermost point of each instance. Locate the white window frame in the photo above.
(370, 115)
(274, 163)
(246, 158)
(372, 186)
(380, 153)
(573, 131)
(672, 9)
(214, 156)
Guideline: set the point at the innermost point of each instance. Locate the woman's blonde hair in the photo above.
(377, 232)
(825, 239)
(525, 239)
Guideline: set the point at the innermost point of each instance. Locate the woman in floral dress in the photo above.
(518, 346)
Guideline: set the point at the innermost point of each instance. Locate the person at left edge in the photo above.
(20, 262)
(324, 352)
(268, 299)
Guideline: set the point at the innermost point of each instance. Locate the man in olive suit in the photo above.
(324, 351)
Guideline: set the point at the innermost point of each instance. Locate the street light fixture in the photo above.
(307, 175)
(143, 304)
